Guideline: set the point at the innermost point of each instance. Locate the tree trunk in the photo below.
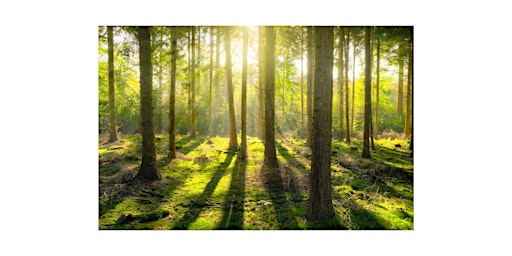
(158, 125)
(377, 84)
(320, 202)
(172, 95)
(261, 81)
(243, 149)
(189, 107)
(216, 87)
(301, 133)
(270, 158)
(210, 120)
(400, 108)
(412, 100)
(309, 94)
(408, 111)
(147, 170)
(353, 86)
(233, 144)
(111, 88)
(193, 86)
(341, 82)
(367, 94)
(347, 139)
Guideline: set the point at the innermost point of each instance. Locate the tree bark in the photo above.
(347, 139)
(309, 94)
(193, 86)
(400, 108)
(367, 94)
(147, 170)
(341, 81)
(243, 149)
(301, 133)
(233, 144)
(172, 95)
(111, 88)
(270, 158)
(216, 86)
(210, 120)
(408, 111)
(261, 81)
(320, 202)
(377, 84)
(353, 87)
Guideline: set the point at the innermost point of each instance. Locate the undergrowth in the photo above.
(207, 187)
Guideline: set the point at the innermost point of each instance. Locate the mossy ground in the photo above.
(208, 187)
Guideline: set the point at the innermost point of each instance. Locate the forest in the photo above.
(255, 127)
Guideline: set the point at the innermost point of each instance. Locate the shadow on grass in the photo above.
(233, 208)
(186, 144)
(200, 202)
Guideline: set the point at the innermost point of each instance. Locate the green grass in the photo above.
(206, 187)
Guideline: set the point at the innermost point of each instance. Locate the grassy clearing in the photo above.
(207, 187)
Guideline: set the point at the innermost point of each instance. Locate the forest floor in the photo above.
(207, 187)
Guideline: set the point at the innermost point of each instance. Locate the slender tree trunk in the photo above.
(111, 88)
(400, 108)
(377, 84)
(270, 158)
(210, 120)
(320, 202)
(158, 125)
(172, 95)
(341, 81)
(301, 82)
(408, 111)
(261, 81)
(193, 86)
(233, 144)
(147, 170)
(367, 94)
(353, 86)
(411, 57)
(309, 94)
(217, 76)
(347, 139)
(243, 149)
(189, 107)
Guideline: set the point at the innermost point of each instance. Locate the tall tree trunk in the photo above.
(377, 84)
(172, 95)
(193, 86)
(400, 108)
(408, 111)
(411, 57)
(347, 139)
(270, 158)
(210, 120)
(243, 149)
(309, 94)
(341, 81)
(147, 170)
(158, 125)
(301, 133)
(233, 144)
(367, 94)
(111, 88)
(261, 81)
(189, 107)
(353, 86)
(320, 202)
(216, 87)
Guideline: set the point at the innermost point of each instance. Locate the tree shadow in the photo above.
(233, 208)
(186, 144)
(359, 217)
(201, 201)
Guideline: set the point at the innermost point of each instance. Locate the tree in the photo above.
(376, 126)
(193, 86)
(147, 170)
(320, 202)
(353, 83)
(243, 149)
(400, 108)
(270, 157)
(111, 88)
(172, 95)
(347, 139)
(408, 107)
(301, 82)
(233, 144)
(341, 78)
(210, 120)
(367, 94)
(310, 77)
(261, 80)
